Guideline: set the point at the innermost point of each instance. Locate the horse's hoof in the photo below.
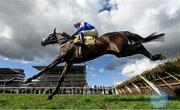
(50, 97)
(158, 57)
(163, 58)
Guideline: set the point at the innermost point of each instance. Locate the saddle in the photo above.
(88, 40)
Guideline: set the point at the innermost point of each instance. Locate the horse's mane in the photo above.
(65, 35)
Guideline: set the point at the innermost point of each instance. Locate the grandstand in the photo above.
(76, 77)
(11, 77)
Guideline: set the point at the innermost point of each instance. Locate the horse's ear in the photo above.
(54, 30)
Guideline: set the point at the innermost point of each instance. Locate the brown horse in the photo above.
(120, 44)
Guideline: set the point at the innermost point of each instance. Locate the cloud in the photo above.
(6, 32)
(101, 70)
(90, 67)
(119, 63)
(25, 23)
(107, 5)
(93, 75)
(138, 67)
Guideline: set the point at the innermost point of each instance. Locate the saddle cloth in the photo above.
(89, 40)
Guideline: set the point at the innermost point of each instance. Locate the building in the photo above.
(76, 77)
(11, 77)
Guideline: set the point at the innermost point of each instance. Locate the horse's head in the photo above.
(52, 39)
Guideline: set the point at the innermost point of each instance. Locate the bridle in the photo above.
(59, 40)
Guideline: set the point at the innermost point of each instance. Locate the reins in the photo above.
(60, 40)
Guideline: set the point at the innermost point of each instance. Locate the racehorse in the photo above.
(120, 44)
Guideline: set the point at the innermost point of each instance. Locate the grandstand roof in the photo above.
(61, 67)
(11, 71)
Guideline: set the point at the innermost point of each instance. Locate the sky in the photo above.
(23, 24)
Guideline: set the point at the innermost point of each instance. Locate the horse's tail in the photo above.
(154, 37)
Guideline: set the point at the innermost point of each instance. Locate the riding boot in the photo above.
(82, 43)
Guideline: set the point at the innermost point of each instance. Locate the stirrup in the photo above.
(81, 37)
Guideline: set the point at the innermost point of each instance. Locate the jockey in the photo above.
(84, 29)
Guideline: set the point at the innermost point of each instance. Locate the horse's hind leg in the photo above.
(138, 48)
(142, 50)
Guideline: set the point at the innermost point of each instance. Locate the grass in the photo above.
(30, 101)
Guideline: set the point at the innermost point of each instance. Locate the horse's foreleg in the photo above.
(67, 66)
(53, 64)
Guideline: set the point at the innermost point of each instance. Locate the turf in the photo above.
(30, 101)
